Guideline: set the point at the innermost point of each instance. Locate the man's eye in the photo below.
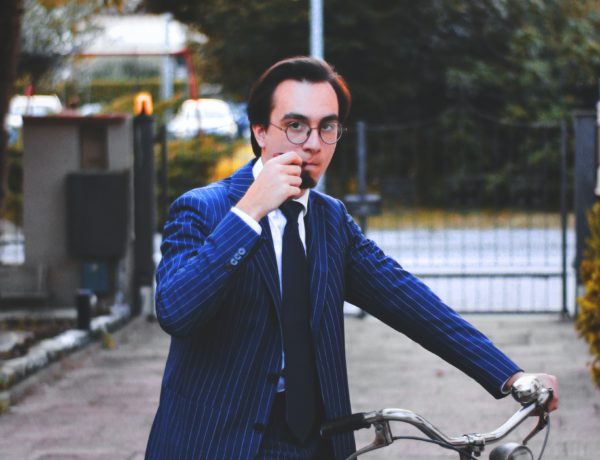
(328, 127)
(296, 126)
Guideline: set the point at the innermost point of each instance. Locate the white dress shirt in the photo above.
(277, 223)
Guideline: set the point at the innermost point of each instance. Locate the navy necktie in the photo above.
(297, 343)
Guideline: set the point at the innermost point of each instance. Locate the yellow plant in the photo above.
(588, 319)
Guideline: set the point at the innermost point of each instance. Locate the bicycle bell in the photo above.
(526, 389)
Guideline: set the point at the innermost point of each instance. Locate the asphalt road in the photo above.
(99, 403)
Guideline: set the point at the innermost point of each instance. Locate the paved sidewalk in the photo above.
(99, 404)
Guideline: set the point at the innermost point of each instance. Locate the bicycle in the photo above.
(527, 390)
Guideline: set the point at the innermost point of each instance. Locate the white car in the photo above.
(203, 116)
(38, 105)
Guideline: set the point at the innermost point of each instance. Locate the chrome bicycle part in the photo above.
(468, 445)
(511, 451)
(526, 389)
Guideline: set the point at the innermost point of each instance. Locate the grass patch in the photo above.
(437, 219)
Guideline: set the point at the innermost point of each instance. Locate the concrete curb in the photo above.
(41, 355)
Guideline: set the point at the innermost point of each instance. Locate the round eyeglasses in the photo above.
(298, 132)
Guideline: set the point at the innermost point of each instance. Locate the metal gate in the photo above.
(477, 207)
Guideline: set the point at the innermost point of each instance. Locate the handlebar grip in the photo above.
(344, 424)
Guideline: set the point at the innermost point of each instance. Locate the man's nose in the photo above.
(314, 141)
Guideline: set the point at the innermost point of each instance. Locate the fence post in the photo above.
(361, 152)
(164, 175)
(563, 212)
(585, 181)
(144, 207)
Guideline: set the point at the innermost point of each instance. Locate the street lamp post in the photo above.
(316, 50)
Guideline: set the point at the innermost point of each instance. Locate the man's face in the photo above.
(294, 101)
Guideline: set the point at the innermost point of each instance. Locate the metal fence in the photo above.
(475, 206)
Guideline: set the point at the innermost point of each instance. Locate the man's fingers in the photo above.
(288, 158)
(292, 170)
(295, 181)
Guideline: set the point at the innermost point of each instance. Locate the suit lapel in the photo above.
(317, 261)
(239, 183)
(267, 264)
(265, 255)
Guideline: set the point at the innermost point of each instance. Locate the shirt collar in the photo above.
(303, 200)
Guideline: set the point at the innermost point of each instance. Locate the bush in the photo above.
(197, 162)
(588, 320)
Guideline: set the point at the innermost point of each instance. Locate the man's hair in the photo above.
(299, 68)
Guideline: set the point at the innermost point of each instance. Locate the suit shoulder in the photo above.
(209, 194)
(210, 202)
(331, 204)
(325, 200)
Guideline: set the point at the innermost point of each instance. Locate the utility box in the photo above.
(97, 212)
(78, 198)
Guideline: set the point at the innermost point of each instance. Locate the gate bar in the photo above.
(563, 211)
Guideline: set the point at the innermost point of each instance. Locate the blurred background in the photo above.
(458, 156)
(470, 155)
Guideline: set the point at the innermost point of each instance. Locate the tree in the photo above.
(410, 60)
(54, 29)
(10, 27)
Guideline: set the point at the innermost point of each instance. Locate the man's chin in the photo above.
(307, 180)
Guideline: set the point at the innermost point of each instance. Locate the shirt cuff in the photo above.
(503, 389)
(249, 220)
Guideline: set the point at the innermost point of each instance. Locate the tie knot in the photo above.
(291, 210)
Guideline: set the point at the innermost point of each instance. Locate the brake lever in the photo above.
(543, 419)
(383, 437)
(541, 424)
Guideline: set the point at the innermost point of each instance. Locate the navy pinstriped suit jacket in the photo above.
(218, 297)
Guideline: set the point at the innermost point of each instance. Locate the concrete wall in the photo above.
(53, 148)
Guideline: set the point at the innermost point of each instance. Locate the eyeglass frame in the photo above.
(310, 130)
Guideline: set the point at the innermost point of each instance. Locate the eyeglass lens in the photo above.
(298, 132)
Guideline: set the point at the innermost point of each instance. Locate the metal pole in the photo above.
(144, 207)
(164, 174)
(584, 124)
(167, 70)
(316, 50)
(563, 211)
(316, 28)
(361, 152)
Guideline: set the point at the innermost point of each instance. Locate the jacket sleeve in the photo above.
(204, 245)
(379, 285)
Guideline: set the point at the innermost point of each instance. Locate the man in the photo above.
(251, 287)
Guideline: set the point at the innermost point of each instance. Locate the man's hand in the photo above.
(547, 380)
(278, 181)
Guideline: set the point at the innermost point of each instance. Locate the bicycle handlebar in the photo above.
(529, 392)
(352, 422)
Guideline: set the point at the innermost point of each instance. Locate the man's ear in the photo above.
(259, 134)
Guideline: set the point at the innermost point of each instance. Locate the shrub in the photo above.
(588, 320)
(195, 163)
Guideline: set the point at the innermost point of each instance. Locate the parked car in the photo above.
(241, 118)
(202, 116)
(38, 105)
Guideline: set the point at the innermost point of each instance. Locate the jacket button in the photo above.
(258, 427)
(272, 377)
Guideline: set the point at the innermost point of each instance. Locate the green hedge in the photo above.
(191, 164)
(105, 91)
